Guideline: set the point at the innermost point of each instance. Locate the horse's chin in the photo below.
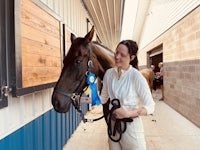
(60, 110)
(65, 107)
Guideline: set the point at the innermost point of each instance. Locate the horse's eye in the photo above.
(78, 61)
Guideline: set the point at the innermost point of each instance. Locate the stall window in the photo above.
(36, 63)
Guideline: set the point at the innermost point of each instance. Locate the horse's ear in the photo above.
(73, 37)
(89, 36)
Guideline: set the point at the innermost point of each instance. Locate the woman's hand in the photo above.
(84, 99)
(121, 113)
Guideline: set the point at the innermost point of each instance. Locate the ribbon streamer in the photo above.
(91, 81)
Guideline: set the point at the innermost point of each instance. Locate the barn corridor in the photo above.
(165, 130)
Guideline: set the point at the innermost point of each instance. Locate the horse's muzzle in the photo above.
(61, 103)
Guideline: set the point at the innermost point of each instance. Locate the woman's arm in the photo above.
(104, 92)
(145, 95)
(123, 113)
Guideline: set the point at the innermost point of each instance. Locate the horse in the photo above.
(148, 75)
(83, 56)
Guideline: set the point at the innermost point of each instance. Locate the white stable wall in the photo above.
(162, 15)
(24, 109)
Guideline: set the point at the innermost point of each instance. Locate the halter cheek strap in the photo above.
(73, 96)
(90, 64)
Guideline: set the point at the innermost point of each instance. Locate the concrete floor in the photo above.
(165, 130)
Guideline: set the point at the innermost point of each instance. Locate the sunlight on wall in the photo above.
(129, 16)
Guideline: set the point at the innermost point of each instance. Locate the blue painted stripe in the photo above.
(47, 132)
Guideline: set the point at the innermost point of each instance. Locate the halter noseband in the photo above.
(65, 93)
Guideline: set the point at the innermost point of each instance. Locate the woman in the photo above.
(125, 82)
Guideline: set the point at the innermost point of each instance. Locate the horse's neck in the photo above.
(105, 58)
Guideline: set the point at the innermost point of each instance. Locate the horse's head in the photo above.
(72, 80)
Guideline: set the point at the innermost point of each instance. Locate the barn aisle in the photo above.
(165, 130)
(90, 136)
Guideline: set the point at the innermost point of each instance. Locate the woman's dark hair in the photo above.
(132, 50)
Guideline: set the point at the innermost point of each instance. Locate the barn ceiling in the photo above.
(107, 17)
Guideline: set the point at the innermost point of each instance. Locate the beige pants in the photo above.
(132, 139)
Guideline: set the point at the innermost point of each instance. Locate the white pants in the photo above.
(132, 139)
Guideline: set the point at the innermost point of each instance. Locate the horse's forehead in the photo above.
(79, 48)
(74, 51)
(79, 41)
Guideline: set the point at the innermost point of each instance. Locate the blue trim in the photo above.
(47, 132)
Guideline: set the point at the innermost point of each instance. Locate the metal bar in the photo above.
(3, 38)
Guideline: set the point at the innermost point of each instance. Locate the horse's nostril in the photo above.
(56, 104)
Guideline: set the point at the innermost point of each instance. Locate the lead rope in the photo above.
(116, 125)
(77, 104)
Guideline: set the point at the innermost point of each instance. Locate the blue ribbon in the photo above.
(91, 81)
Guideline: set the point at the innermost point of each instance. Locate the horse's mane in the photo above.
(97, 43)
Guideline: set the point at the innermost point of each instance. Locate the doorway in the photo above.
(155, 56)
(155, 61)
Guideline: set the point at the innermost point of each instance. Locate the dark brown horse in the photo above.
(84, 56)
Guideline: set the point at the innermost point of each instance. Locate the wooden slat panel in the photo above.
(37, 60)
(40, 42)
(33, 47)
(33, 20)
(35, 76)
(40, 13)
(39, 36)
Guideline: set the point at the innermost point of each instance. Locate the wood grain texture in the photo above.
(40, 42)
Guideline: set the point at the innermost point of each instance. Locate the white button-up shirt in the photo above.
(129, 88)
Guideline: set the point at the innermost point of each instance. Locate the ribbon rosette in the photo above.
(91, 81)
